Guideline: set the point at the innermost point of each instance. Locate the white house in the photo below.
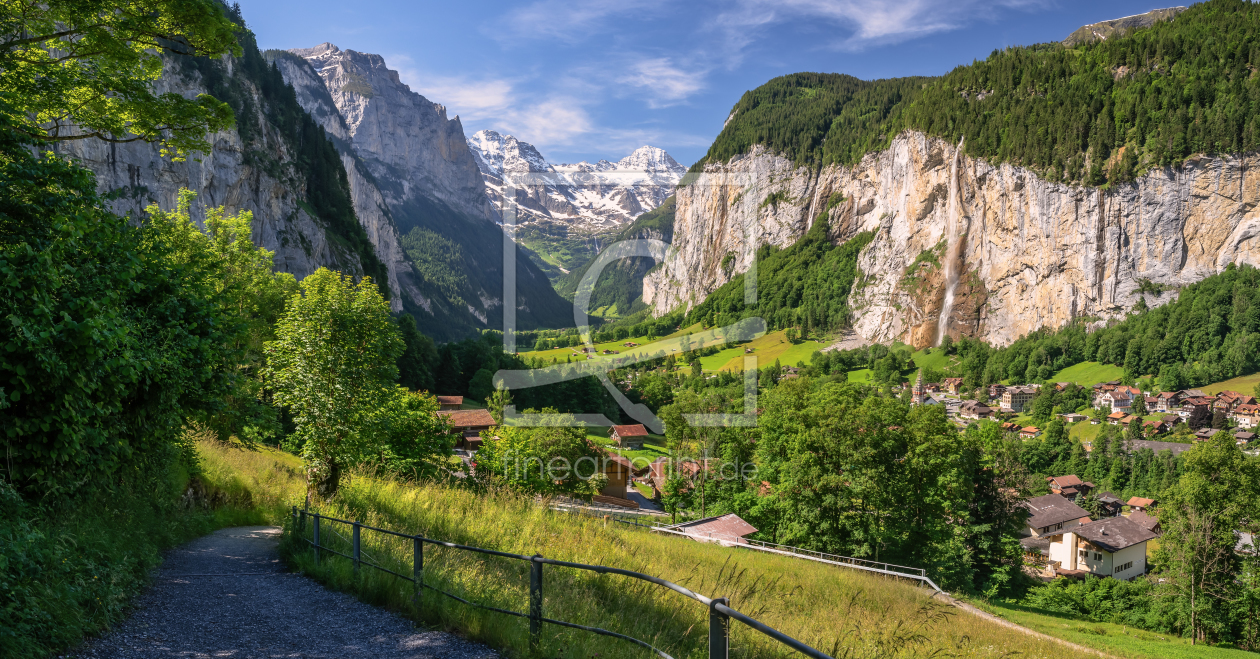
(1111, 547)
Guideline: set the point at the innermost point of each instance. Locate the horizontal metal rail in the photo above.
(720, 613)
(888, 569)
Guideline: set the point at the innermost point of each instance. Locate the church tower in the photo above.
(916, 397)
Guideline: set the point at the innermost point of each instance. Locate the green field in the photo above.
(653, 448)
(575, 353)
(937, 360)
(1120, 640)
(1088, 374)
(766, 349)
(1244, 385)
(862, 375)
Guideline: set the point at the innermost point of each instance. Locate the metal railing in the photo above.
(888, 569)
(720, 614)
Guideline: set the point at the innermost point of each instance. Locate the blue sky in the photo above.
(590, 79)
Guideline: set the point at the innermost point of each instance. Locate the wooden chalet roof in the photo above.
(450, 400)
(1065, 481)
(632, 430)
(1114, 533)
(1141, 501)
(468, 418)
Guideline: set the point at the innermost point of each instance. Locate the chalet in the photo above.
(1246, 415)
(996, 391)
(1060, 386)
(449, 403)
(1011, 426)
(1118, 401)
(1116, 417)
(1189, 406)
(1109, 505)
(1204, 434)
(468, 424)
(1015, 398)
(630, 344)
(1130, 418)
(1073, 417)
(1030, 432)
(1051, 514)
(1168, 401)
(1154, 427)
(1228, 401)
(658, 473)
(1244, 438)
(1069, 487)
(1146, 521)
(726, 530)
(952, 385)
(619, 472)
(1192, 393)
(611, 352)
(1112, 547)
(1140, 504)
(971, 409)
(629, 436)
(1151, 402)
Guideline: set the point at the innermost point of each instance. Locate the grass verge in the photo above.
(70, 567)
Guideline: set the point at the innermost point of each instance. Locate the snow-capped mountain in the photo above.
(603, 195)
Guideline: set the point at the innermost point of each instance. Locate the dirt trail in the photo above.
(228, 595)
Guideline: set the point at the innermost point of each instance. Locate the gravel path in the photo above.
(227, 595)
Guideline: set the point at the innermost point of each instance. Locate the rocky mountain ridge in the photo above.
(413, 174)
(595, 197)
(1029, 252)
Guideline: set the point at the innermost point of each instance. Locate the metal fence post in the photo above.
(719, 630)
(535, 600)
(316, 516)
(356, 549)
(417, 569)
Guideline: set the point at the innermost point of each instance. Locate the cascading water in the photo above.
(954, 232)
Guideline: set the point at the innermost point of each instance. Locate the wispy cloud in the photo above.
(566, 20)
(469, 97)
(663, 83)
(862, 23)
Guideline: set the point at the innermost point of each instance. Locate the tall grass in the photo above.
(845, 613)
(69, 567)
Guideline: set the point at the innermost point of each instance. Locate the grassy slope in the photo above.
(575, 352)
(1088, 374)
(1116, 639)
(766, 349)
(842, 612)
(1245, 385)
(937, 360)
(652, 449)
(829, 607)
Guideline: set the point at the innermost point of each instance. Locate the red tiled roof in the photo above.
(633, 430)
(468, 418)
(1139, 501)
(1065, 481)
(450, 400)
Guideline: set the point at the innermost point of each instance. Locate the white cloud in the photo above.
(470, 98)
(664, 83)
(864, 23)
(567, 20)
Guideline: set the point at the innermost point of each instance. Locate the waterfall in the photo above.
(954, 230)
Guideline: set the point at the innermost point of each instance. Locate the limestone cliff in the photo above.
(418, 193)
(231, 174)
(1026, 252)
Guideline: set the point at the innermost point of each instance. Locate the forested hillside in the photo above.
(1094, 113)
(620, 285)
(1211, 332)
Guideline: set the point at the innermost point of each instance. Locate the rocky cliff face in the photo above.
(225, 176)
(595, 197)
(998, 250)
(405, 140)
(418, 193)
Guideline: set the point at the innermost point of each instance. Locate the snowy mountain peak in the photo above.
(599, 195)
(651, 159)
(496, 154)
